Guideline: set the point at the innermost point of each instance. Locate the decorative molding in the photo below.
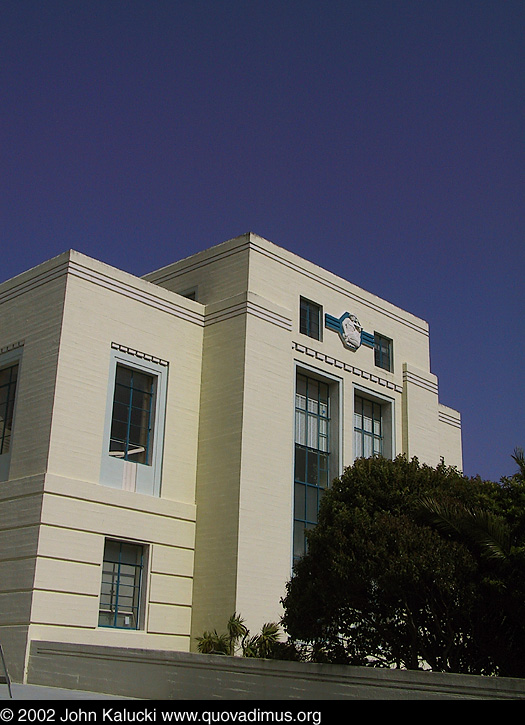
(163, 275)
(414, 379)
(349, 330)
(454, 421)
(13, 346)
(248, 307)
(338, 287)
(147, 297)
(36, 280)
(75, 268)
(138, 354)
(247, 243)
(329, 360)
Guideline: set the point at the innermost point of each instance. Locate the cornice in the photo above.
(80, 267)
(246, 305)
(409, 376)
(346, 367)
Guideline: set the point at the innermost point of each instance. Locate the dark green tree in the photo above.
(413, 566)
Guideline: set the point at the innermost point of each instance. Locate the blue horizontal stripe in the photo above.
(367, 339)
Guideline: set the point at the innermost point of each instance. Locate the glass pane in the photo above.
(358, 444)
(119, 431)
(314, 323)
(367, 446)
(300, 427)
(312, 468)
(300, 500)
(300, 464)
(111, 553)
(122, 394)
(130, 553)
(120, 412)
(367, 416)
(311, 504)
(298, 539)
(313, 432)
(6, 375)
(123, 375)
(300, 397)
(142, 381)
(141, 400)
(137, 436)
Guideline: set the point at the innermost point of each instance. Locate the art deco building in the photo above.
(165, 440)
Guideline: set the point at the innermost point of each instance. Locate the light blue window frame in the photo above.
(122, 471)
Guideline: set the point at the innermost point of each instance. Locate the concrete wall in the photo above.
(183, 676)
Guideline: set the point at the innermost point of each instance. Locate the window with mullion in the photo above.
(382, 352)
(312, 455)
(131, 424)
(310, 319)
(368, 428)
(121, 584)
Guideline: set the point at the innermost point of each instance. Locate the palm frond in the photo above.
(475, 526)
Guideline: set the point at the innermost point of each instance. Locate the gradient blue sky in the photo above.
(381, 139)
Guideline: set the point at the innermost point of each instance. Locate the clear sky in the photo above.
(380, 139)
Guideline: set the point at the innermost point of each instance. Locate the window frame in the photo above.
(387, 405)
(139, 596)
(333, 453)
(126, 400)
(129, 475)
(379, 362)
(306, 328)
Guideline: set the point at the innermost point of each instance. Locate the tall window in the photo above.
(8, 379)
(310, 319)
(132, 418)
(368, 428)
(312, 455)
(382, 352)
(121, 583)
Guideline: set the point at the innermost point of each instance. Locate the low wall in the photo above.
(160, 675)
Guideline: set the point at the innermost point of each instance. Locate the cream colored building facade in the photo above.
(166, 439)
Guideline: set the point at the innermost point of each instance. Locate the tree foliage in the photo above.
(412, 566)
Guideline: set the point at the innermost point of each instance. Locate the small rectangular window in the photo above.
(383, 352)
(120, 593)
(310, 319)
(8, 381)
(132, 417)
